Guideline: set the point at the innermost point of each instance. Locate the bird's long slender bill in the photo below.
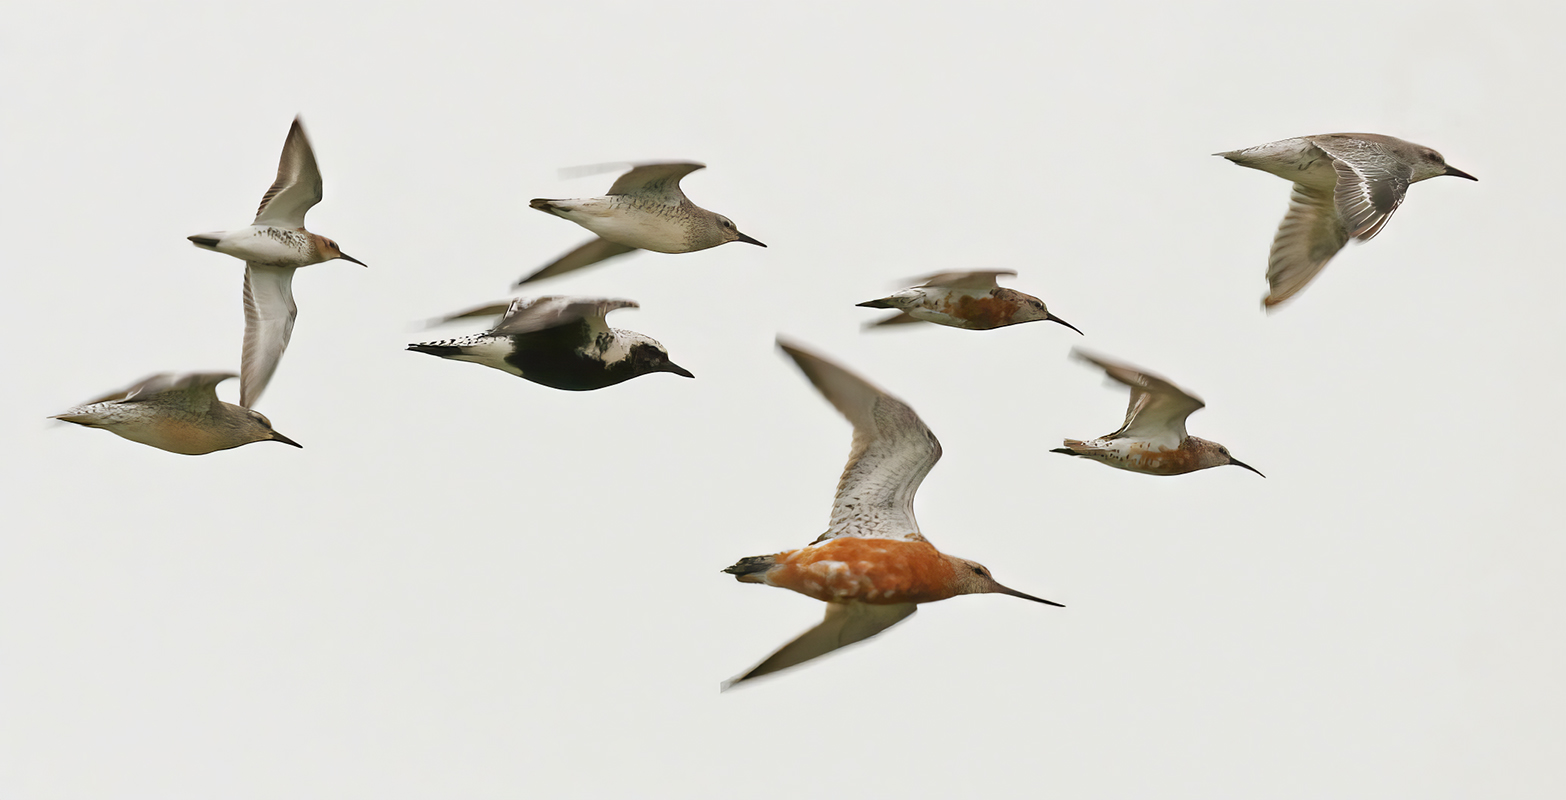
(1457, 173)
(748, 240)
(678, 370)
(278, 437)
(347, 257)
(999, 589)
(1238, 463)
(1053, 318)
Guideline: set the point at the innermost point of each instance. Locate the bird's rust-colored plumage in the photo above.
(878, 571)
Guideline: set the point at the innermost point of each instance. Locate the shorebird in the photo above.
(561, 342)
(971, 300)
(275, 245)
(1346, 186)
(180, 413)
(872, 567)
(1153, 440)
(644, 210)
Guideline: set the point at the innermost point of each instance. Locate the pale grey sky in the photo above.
(467, 585)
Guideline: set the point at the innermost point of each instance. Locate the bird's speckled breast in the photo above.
(877, 571)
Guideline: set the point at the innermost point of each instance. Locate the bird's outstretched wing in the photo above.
(1158, 408)
(845, 624)
(892, 452)
(527, 315)
(979, 279)
(585, 256)
(298, 184)
(1309, 236)
(658, 183)
(269, 322)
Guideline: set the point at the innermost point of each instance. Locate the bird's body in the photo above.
(1346, 186)
(272, 247)
(177, 413)
(969, 300)
(644, 210)
(1153, 440)
(872, 567)
(852, 569)
(560, 342)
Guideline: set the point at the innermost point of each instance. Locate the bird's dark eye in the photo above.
(978, 570)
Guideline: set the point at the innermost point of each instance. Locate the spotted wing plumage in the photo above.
(892, 452)
(1158, 408)
(845, 624)
(298, 184)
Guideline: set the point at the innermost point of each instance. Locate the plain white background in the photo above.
(467, 585)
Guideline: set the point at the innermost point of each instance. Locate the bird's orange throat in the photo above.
(878, 571)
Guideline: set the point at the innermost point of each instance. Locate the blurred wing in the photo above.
(269, 321)
(146, 387)
(967, 280)
(298, 185)
(536, 314)
(892, 452)
(899, 319)
(845, 624)
(1158, 408)
(588, 254)
(658, 183)
(1309, 236)
(1372, 183)
(486, 310)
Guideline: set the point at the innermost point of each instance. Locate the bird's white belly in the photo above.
(1295, 159)
(632, 226)
(272, 246)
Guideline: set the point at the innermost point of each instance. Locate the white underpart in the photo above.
(264, 244)
(659, 228)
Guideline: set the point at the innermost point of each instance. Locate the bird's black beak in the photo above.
(1053, 318)
(1457, 173)
(999, 589)
(678, 370)
(748, 240)
(346, 257)
(1238, 463)
(278, 437)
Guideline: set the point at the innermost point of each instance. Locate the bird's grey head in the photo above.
(1033, 309)
(647, 355)
(974, 578)
(730, 233)
(265, 432)
(1223, 458)
(1430, 164)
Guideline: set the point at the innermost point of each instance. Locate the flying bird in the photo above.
(872, 567)
(1346, 186)
(971, 300)
(560, 342)
(644, 210)
(275, 245)
(1153, 440)
(180, 413)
